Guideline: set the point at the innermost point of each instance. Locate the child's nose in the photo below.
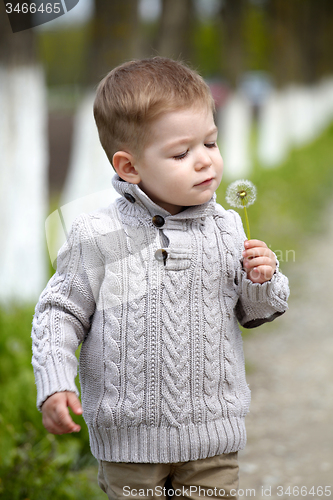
(203, 159)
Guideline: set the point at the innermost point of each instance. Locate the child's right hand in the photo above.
(56, 417)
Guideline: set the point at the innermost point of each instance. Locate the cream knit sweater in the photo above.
(154, 299)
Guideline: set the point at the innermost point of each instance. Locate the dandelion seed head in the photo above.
(241, 193)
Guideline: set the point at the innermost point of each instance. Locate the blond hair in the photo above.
(136, 93)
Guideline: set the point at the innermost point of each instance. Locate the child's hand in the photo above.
(56, 417)
(259, 261)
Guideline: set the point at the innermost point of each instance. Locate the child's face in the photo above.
(182, 165)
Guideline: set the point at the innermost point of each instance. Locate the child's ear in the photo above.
(123, 164)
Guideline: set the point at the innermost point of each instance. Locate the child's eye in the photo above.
(211, 145)
(181, 156)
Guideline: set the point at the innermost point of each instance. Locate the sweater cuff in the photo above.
(273, 292)
(52, 380)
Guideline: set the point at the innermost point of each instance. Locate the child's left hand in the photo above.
(259, 261)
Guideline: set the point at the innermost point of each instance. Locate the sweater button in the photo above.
(129, 197)
(161, 255)
(158, 221)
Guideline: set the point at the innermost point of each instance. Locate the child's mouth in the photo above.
(205, 183)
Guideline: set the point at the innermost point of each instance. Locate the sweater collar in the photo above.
(134, 200)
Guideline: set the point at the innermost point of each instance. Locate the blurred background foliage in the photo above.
(290, 41)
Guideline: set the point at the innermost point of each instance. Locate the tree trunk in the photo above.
(23, 166)
(15, 48)
(316, 39)
(287, 52)
(174, 38)
(114, 36)
(233, 13)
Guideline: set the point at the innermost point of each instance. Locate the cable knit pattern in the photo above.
(211, 272)
(155, 302)
(176, 407)
(136, 275)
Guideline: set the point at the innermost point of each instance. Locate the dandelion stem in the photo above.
(246, 221)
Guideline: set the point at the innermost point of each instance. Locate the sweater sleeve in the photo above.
(258, 303)
(63, 316)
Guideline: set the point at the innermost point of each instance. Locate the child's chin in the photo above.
(206, 197)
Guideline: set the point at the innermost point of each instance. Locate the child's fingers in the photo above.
(261, 274)
(259, 261)
(259, 270)
(59, 422)
(257, 248)
(64, 421)
(254, 243)
(56, 426)
(250, 263)
(258, 251)
(74, 403)
(56, 417)
(55, 422)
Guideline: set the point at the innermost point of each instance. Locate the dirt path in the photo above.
(290, 373)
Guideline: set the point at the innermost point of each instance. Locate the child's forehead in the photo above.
(182, 124)
(183, 115)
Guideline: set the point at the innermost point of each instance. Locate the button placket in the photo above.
(129, 197)
(158, 221)
(161, 255)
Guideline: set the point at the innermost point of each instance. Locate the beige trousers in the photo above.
(215, 477)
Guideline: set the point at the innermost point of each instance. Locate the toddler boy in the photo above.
(153, 287)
